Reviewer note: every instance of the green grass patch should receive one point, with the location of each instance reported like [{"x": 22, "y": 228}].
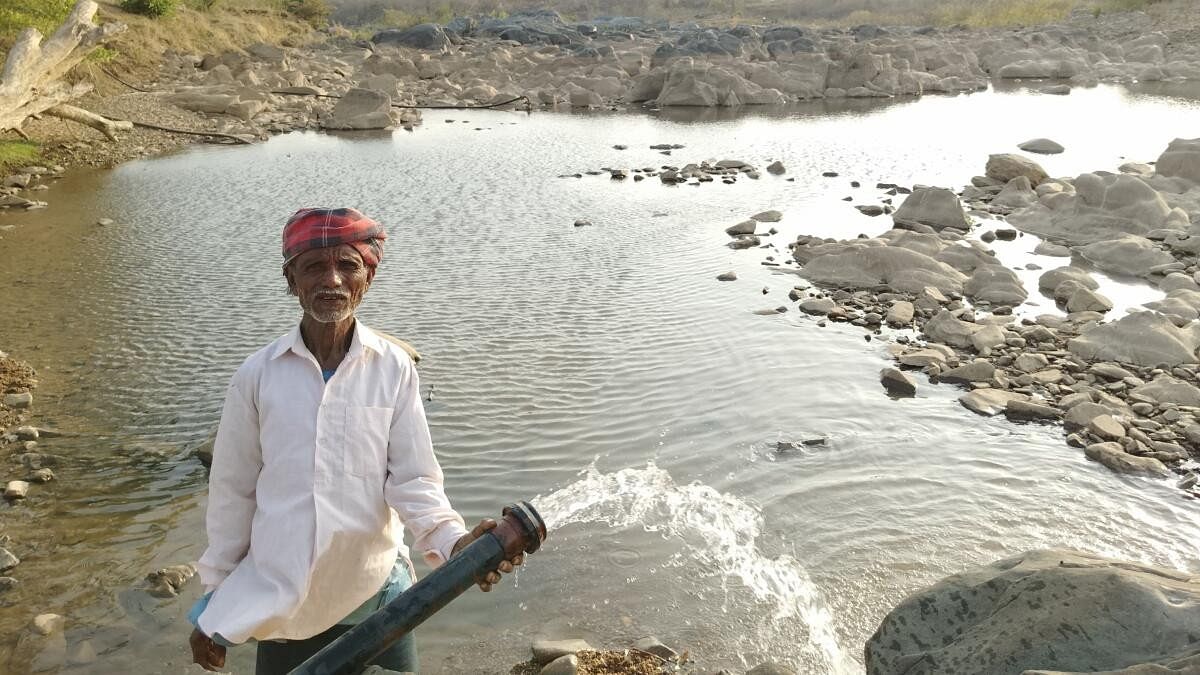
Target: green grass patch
[
  {"x": 17, "y": 15},
  {"x": 15, "y": 154}
]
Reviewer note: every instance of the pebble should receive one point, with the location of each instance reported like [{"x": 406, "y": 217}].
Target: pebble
[
  {"x": 727, "y": 276},
  {"x": 16, "y": 489},
  {"x": 19, "y": 401},
  {"x": 582, "y": 223},
  {"x": 8, "y": 560},
  {"x": 545, "y": 651},
  {"x": 41, "y": 476},
  {"x": 105, "y": 222}
]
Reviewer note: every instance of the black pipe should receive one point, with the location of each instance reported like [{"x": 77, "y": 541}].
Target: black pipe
[{"x": 521, "y": 530}]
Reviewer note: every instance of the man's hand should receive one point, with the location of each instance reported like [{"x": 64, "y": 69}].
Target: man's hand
[
  {"x": 505, "y": 566},
  {"x": 209, "y": 654}
]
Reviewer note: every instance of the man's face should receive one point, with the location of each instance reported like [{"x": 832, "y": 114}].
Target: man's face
[{"x": 330, "y": 282}]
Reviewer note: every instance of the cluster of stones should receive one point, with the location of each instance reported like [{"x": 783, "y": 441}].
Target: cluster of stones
[
  {"x": 726, "y": 171},
  {"x": 568, "y": 657},
  {"x": 17, "y": 189},
  {"x": 1126, "y": 391},
  {"x": 20, "y": 441}
]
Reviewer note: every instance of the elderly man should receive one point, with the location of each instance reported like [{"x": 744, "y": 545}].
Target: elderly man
[{"x": 321, "y": 455}]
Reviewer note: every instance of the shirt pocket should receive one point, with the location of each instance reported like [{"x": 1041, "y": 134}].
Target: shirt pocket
[{"x": 365, "y": 446}]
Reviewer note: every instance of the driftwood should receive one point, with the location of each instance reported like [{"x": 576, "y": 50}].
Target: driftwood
[
  {"x": 32, "y": 80},
  {"x": 102, "y": 124}
]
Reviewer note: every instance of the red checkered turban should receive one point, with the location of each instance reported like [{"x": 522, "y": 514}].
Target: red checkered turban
[{"x": 321, "y": 228}]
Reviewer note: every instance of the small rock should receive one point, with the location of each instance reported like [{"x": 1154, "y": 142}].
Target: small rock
[
  {"x": 19, "y": 401},
  {"x": 1188, "y": 482},
  {"x": 897, "y": 383},
  {"x": 900, "y": 313},
  {"x": 49, "y": 624},
  {"x": 582, "y": 223},
  {"x": 768, "y": 217},
  {"x": 819, "y": 306},
  {"x": 563, "y": 665},
  {"x": 652, "y": 645},
  {"x": 829, "y": 174},
  {"x": 776, "y": 168},
  {"x": 1041, "y": 146},
  {"x": 727, "y": 276},
  {"x": 167, "y": 582},
  {"x": 545, "y": 651},
  {"x": 8, "y": 583},
  {"x": 42, "y": 475},
  {"x": 1030, "y": 363},
  {"x": 1028, "y": 410},
  {"x": 1107, "y": 428},
  {"x": 1006, "y": 234},
  {"x": 988, "y": 402},
  {"x": 16, "y": 489},
  {"x": 744, "y": 243},
  {"x": 27, "y": 433},
  {"x": 976, "y": 371},
  {"x": 1114, "y": 457},
  {"x": 8, "y": 560},
  {"x": 620, "y": 147},
  {"x": 104, "y": 222},
  {"x": 870, "y": 209},
  {"x": 742, "y": 228}
]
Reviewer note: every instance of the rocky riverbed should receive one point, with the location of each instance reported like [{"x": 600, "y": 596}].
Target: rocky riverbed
[{"x": 1123, "y": 388}]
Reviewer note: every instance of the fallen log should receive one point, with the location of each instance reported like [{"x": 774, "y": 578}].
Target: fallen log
[
  {"x": 100, "y": 123},
  {"x": 32, "y": 80}
]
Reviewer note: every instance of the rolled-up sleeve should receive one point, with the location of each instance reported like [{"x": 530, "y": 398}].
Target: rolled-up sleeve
[
  {"x": 232, "y": 481},
  {"x": 414, "y": 483}
]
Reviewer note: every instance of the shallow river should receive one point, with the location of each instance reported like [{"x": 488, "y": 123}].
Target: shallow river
[{"x": 600, "y": 371}]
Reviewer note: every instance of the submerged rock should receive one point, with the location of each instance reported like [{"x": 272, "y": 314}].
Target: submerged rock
[{"x": 1053, "y": 610}]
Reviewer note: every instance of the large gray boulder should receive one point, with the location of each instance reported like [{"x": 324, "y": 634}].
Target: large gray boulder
[
  {"x": 996, "y": 284},
  {"x": 361, "y": 109},
  {"x": 938, "y": 208},
  {"x": 1130, "y": 255},
  {"x": 866, "y": 266},
  {"x": 428, "y": 36},
  {"x": 1180, "y": 160},
  {"x": 1142, "y": 338},
  {"x": 1007, "y": 166},
  {"x": 1167, "y": 389},
  {"x": 1103, "y": 206},
  {"x": 1052, "y": 610}
]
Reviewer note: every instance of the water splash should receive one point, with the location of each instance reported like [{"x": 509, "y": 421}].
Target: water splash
[{"x": 718, "y": 530}]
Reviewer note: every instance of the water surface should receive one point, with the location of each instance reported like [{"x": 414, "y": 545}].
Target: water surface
[{"x": 601, "y": 371}]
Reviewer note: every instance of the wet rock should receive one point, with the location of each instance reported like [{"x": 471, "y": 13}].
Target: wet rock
[
  {"x": 997, "y": 285},
  {"x": 583, "y": 223},
  {"x": 1180, "y": 160},
  {"x": 361, "y": 109},
  {"x": 745, "y": 242},
  {"x": 1130, "y": 255},
  {"x": 1056, "y": 250},
  {"x": 1141, "y": 338},
  {"x": 1167, "y": 389},
  {"x": 1017, "y": 194},
  {"x": 897, "y": 383},
  {"x": 1031, "y": 362},
  {"x": 168, "y": 581},
  {"x": 1051, "y": 280},
  {"x": 938, "y": 208},
  {"x": 975, "y": 371},
  {"x": 1106, "y": 428},
  {"x": 1041, "y": 146},
  {"x": 900, "y": 313},
  {"x": 545, "y": 651},
  {"x": 26, "y": 433},
  {"x": 1021, "y": 410},
  {"x": 42, "y": 646},
  {"x": 870, "y": 209},
  {"x": 8, "y": 583},
  {"x": 947, "y": 329},
  {"x": 41, "y": 476},
  {"x": 989, "y": 402},
  {"x": 867, "y": 264},
  {"x": 1079, "y": 416},
  {"x": 563, "y": 665},
  {"x": 776, "y": 168},
  {"x": 1086, "y": 300},
  {"x": 16, "y": 489},
  {"x": 1101, "y": 207},
  {"x": 8, "y": 560},
  {"x": 818, "y": 306},
  {"x": 768, "y": 217},
  {"x": 742, "y": 228},
  {"x": 19, "y": 401},
  {"x": 1113, "y": 456},
  {"x": 1052, "y": 610},
  {"x": 920, "y": 358},
  {"x": 727, "y": 276},
  {"x": 82, "y": 654},
  {"x": 652, "y": 645},
  {"x": 1005, "y": 167}
]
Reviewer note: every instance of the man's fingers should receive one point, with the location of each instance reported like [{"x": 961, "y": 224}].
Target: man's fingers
[
  {"x": 492, "y": 578},
  {"x": 483, "y": 526},
  {"x": 505, "y": 566},
  {"x": 485, "y": 586},
  {"x": 518, "y": 559}
]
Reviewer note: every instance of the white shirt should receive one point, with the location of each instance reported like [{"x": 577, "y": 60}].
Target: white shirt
[{"x": 307, "y": 480}]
